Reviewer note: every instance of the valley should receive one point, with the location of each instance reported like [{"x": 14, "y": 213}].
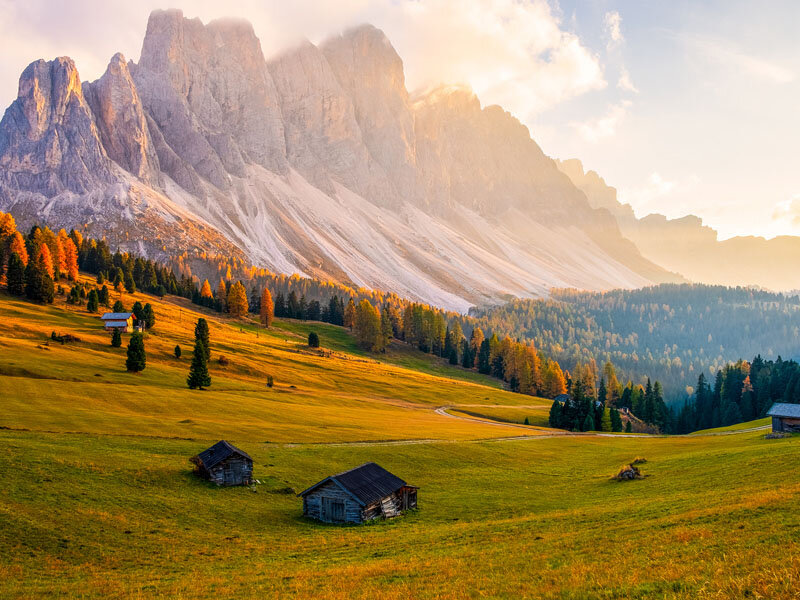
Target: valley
[{"x": 98, "y": 487}]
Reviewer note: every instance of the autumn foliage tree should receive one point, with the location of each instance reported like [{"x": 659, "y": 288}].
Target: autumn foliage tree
[
  {"x": 70, "y": 259},
  {"x": 267, "y": 311},
  {"x": 367, "y": 327},
  {"x": 237, "y": 300}
]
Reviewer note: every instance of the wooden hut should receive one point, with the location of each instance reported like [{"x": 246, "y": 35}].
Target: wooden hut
[
  {"x": 361, "y": 494},
  {"x": 120, "y": 321},
  {"x": 785, "y": 417},
  {"x": 224, "y": 464}
]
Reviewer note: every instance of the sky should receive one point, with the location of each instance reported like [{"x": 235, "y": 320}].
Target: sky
[{"x": 686, "y": 107}]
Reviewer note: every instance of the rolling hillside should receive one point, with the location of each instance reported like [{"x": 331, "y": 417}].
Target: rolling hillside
[{"x": 98, "y": 500}]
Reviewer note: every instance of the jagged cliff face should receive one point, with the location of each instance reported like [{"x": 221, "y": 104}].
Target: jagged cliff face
[
  {"x": 316, "y": 162},
  {"x": 688, "y": 247}
]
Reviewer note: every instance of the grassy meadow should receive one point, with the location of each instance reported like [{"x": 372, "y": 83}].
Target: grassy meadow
[{"x": 98, "y": 499}]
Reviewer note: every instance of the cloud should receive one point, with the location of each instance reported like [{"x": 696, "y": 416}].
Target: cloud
[
  {"x": 512, "y": 53},
  {"x": 788, "y": 210},
  {"x": 624, "y": 83},
  {"x": 613, "y": 22},
  {"x": 728, "y": 56},
  {"x": 594, "y": 130}
]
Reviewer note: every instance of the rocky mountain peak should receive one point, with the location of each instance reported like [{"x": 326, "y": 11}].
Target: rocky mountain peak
[{"x": 121, "y": 122}]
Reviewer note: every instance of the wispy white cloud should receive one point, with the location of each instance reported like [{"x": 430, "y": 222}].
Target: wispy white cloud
[
  {"x": 594, "y": 130},
  {"x": 788, "y": 210},
  {"x": 613, "y": 24},
  {"x": 624, "y": 82},
  {"x": 726, "y": 55}
]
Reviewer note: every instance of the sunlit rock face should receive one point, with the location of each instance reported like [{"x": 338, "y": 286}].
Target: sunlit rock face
[
  {"x": 121, "y": 122},
  {"x": 316, "y": 162},
  {"x": 48, "y": 140}
]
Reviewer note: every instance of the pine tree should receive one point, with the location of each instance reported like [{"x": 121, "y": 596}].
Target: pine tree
[
  {"x": 177, "y": 351},
  {"x": 616, "y": 420},
  {"x": 93, "y": 301},
  {"x": 201, "y": 333},
  {"x": 102, "y": 296},
  {"x": 149, "y": 316},
  {"x": 39, "y": 286},
  {"x": 119, "y": 307},
  {"x": 267, "y": 310},
  {"x": 18, "y": 246},
  {"x": 138, "y": 312},
  {"x": 116, "y": 339},
  {"x": 386, "y": 327},
  {"x": 198, "y": 372},
  {"x": 484, "y": 358},
  {"x": 467, "y": 359},
  {"x": 588, "y": 423},
  {"x": 136, "y": 360},
  {"x": 628, "y": 427},
  {"x": 605, "y": 421},
  {"x": 555, "y": 415},
  {"x": 313, "y": 340},
  {"x": 15, "y": 275}
]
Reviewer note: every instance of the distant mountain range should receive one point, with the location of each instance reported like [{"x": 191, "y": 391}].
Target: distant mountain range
[
  {"x": 688, "y": 247},
  {"x": 316, "y": 161}
]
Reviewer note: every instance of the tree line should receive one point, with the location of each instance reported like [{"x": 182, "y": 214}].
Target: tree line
[{"x": 740, "y": 392}]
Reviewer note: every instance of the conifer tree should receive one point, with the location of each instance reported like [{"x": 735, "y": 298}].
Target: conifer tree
[
  {"x": 119, "y": 307},
  {"x": 138, "y": 311},
  {"x": 93, "y": 301},
  {"x": 39, "y": 286},
  {"x": 70, "y": 259},
  {"x": 267, "y": 311},
  {"x": 616, "y": 420},
  {"x": 201, "y": 333},
  {"x": 605, "y": 421},
  {"x": 350, "y": 314},
  {"x": 198, "y": 372},
  {"x": 222, "y": 296},
  {"x": 15, "y": 275},
  {"x": 177, "y": 351},
  {"x": 136, "y": 360},
  {"x": 149, "y": 316},
  {"x": 116, "y": 339},
  {"x": 484, "y": 358},
  {"x": 386, "y": 327},
  {"x": 237, "y": 300},
  {"x": 555, "y": 415},
  {"x": 313, "y": 340},
  {"x": 367, "y": 327},
  {"x": 103, "y": 296},
  {"x": 628, "y": 428},
  {"x": 588, "y": 422}
]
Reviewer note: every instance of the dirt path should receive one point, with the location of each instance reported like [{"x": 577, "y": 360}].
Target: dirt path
[{"x": 537, "y": 433}]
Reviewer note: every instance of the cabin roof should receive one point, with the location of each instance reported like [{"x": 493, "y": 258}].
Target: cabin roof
[
  {"x": 219, "y": 452},
  {"x": 561, "y": 398},
  {"x": 367, "y": 483},
  {"x": 116, "y": 316},
  {"x": 116, "y": 323},
  {"x": 781, "y": 409}
]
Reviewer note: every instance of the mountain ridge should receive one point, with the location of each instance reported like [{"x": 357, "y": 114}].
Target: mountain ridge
[{"x": 316, "y": 161}]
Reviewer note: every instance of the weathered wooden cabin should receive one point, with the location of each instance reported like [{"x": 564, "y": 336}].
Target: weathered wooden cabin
[
  {"x": 121, "y": 321},
  {"x": 785, "y": 417},
  {"x": 361, "y": 494},
  {"x": 224, "y": 464}
]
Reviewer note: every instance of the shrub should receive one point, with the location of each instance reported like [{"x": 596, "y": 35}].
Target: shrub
[
  {"x": 223, "y": 361},
  {"x": 270, "y": 381},
  {"x": 313, "y": 340},
  {"x": 177, "y": 351}
]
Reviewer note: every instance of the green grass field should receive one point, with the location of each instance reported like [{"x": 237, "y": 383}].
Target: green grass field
[{"x": 98, "y": 499}]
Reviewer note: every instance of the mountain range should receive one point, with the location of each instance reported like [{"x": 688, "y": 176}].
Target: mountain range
[
  {"x": 318, "y": 161},
  {"x": 686, "y": 246}
]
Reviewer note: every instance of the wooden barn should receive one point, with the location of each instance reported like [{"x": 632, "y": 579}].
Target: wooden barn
[
  {"x": 358, "y": 495},
  {"x": 224, "y": 464},
  {"x": 121, "y": 321},
  {"x": 785, "y": 417}
]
